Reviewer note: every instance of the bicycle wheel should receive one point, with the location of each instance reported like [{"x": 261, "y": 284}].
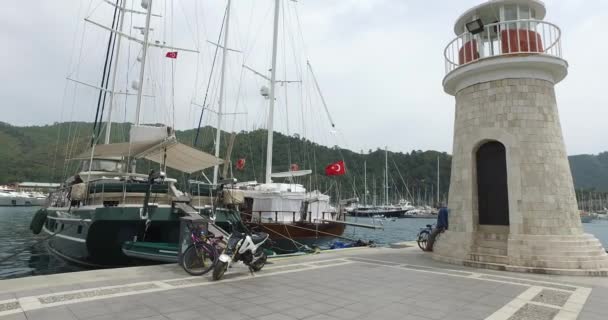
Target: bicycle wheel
[
  {"x": 423, "y": 238},
  {"x": 199, "y": 258}
]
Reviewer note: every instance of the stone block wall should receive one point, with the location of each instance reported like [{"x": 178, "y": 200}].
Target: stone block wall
[{"x": 521, "y": 114}]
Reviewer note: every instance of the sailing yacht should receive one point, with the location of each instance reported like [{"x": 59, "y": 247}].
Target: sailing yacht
[
  {"x": 387, "y": 210},
  {"x": 292, "y": 215},
  {"x": 107, "y": 204}
]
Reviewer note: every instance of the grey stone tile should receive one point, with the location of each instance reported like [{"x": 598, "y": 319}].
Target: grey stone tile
[
  {"x": 89, "y": 309},
  {"x": 14, "y": 316},
  {"x": 588, "y": 316},
  {"x": 276, "y": 316},
  {"x": 534, "y": 312},
  {"x": 108, "y": 316},
  {"x": 301, "y": 312},
  {"x": 184, "y": 315},
  {"x": 55, "y": 313},
  {"x": 30, "y": 293},
  {"x": 322, "y": 317},
  {"x": 343, "y": 313},
  {"x": 256, "y": 311},
  {"x": 138, "y": 313},
  {"x": 7, "y": 296},
  {"x": 552, "y": 297}
]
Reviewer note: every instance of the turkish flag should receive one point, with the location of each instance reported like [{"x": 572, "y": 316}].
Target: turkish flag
[
  {"x": 335, "y": 169},
  {"x": 294, "y": 167},
  {"x": 240, "y": 164},
  {"x": 171, "y": 54}
]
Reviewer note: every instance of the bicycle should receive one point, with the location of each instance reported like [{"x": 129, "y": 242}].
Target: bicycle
[
  {"x": 423, "y": 236},
  {"x": 202, "y": 255}
]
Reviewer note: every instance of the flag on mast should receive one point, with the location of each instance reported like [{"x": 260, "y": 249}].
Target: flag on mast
[
  {"x": 240, "y": 164},
  {"x": 335, "y": 169},
  {"x": 171, "y": 54}
]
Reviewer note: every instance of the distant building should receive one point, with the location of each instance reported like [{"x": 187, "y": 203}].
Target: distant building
[{"x": 37, "y": 186}]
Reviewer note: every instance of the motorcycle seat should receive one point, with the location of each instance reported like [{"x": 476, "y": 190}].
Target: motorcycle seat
[{"x": 258, "y": 237}]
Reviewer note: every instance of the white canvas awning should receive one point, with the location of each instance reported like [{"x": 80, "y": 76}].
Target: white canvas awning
[
  {"x": 184, "y": 158},
  {"x": 289, "y": 174},
  {"x": 179, "y": 156}
]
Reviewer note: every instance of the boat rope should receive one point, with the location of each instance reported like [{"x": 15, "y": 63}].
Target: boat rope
[
  {"x": 200, "y": 119},
  {"x": 105, "y": 76},
  {"x": 27, "y": 246},
  {"x": 402, "y": 180}
]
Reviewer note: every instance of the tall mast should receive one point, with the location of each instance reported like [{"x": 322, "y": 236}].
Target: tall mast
[
  {"x": 386, "y": 176},
  {"x": 365, "y": 183},
  {"x": 273, "y": 72},
  {"x": 437, "y": 180},
  {"x": 218, "y": 132},
  {"x": 142, "y": 69},
  {"x": 111, "y": 106}
]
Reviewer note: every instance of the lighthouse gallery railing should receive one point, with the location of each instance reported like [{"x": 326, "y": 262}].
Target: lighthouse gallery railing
[{"x": 516, "y": 37}]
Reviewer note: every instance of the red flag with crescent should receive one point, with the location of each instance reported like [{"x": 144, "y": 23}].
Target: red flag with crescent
[
  {"x": 335, "y": 169},
  {"x": 171, "y": 54},
  {"x": 240, "y": 164}
]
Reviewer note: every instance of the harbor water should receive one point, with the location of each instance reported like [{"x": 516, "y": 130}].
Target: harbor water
[{"x": 24, "y": 254}]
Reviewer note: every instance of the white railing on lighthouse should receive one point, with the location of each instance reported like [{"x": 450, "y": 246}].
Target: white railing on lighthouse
[{"x": 516, "y": 37}]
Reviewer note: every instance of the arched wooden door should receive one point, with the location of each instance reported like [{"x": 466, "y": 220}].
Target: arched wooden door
[{"x": 492, "y": 189}]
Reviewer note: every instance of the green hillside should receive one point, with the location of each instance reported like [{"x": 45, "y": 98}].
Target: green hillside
[
  {"x": 37, "y": 153},
  {"x": 590, "y": 171}
]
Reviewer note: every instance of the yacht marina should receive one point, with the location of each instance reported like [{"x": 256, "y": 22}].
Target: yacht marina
[{"x": 201, "y": 163}]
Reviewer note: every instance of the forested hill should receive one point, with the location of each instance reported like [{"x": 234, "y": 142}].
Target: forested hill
[{"x": 37, "y": 153}]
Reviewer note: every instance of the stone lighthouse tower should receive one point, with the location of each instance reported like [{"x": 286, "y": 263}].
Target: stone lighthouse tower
[{"x": 512, "y": 201}]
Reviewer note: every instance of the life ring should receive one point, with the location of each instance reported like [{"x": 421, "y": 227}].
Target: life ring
[{"x": 38, "y": 221}]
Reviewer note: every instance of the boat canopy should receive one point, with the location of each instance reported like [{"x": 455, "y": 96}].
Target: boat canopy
[
  {"x": 290, "y": 174},
  {"x": 178, "y": 155}
]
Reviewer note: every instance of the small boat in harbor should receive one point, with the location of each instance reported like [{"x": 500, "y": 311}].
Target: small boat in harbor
[{"x": 11, "y": 197}]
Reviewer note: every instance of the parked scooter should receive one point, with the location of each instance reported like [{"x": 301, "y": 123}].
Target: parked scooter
[{"x": 244, "y": 247}]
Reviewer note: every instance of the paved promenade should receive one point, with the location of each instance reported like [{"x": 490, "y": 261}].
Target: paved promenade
[{"x": 369, "y": 283}]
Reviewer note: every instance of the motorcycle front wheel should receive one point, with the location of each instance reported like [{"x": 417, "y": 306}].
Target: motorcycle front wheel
[
  {"x": 260, "y": 261},
  {"x": 219, "y": 269}
]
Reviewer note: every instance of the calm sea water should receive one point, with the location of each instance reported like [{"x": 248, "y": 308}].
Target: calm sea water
[{"x": 34, "y": 259}]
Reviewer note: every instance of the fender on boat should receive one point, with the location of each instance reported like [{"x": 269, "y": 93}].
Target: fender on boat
[{"x": 38, "y": 221}]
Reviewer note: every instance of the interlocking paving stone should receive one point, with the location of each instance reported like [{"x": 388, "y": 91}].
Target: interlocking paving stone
[
  {"x": 9, "y": 306},
  {"x": 326, "y": 263},
  {"x": 534, "y": 312},
  {"x": 95, "y": 293},
  {"x": 14, "y": 316},
  {"x": 450, "y": 272},
  {"x": 530, "y": 282},
  {"x": 383, "y": 263},
  {"x": 553, "y": 297}
]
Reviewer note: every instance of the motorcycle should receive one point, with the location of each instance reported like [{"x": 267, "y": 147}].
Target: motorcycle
[{"x": 245, "y": 247}]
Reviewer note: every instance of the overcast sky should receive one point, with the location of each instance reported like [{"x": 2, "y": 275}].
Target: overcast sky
[{"x": 379, "y": 64}]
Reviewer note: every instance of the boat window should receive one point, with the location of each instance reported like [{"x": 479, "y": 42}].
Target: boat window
[
  {"x": 102, "y": 165},
  {"x": 79, "y": 231}
]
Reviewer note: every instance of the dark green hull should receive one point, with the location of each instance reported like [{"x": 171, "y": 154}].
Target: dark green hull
[{"x": 94, "y": 236}]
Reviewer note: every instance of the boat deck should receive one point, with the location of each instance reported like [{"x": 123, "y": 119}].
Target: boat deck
[{"x": 361, "y": 283}]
